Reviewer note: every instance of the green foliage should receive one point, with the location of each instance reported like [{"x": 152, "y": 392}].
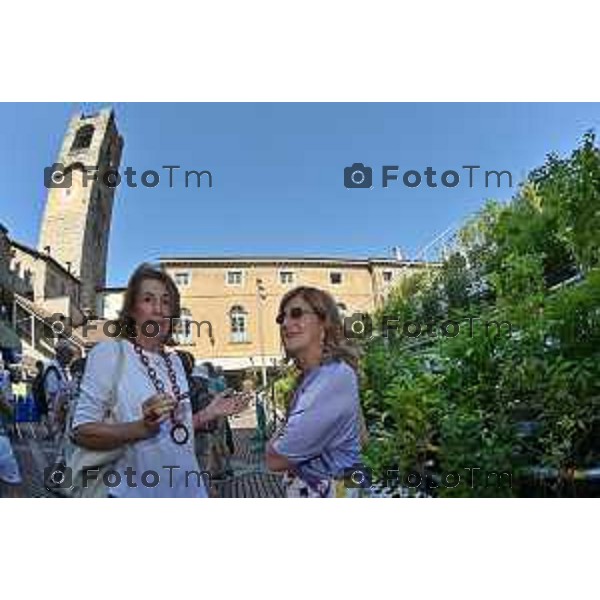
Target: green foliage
[
  {"x": 571, "y": 190},
  {"x": 284, "y": 387},
  {"x": 490, "y": 399}
]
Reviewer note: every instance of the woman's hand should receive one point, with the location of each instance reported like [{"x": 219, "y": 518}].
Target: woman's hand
[
  {"x": 155, "y": 410},
  {"x": 225, "y": 405}
]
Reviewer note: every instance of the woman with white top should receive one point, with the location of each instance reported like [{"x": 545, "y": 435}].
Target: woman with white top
[{"x": 152, "y": 416}]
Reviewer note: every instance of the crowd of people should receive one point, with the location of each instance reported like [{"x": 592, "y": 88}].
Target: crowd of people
[
  {"x": 135, "y": 405},
  {"x": 9, "y": 467}
]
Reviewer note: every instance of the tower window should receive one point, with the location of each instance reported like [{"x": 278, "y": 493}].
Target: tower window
[
  {"x": 83, "y": 138},
  {"x": 387, "y": 276}
]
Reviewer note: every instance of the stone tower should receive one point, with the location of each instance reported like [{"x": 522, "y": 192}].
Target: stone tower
[{"x": 77, "y": 217}]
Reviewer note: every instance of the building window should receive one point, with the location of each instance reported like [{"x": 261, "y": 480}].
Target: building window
[
  {"x": 182, "y": 278},
  {"x": 387, "y": 276},
  {"x": 234, "y": 277},
  {"x": 286, "y": 277},
  {"x": 83, "y": 138},
  {"x": 183, "y": 328},
  {"x": 238, "y": 319},
  {"x": 335, "y": 278}
]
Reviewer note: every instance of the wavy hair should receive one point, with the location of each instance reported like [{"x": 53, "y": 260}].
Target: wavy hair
[
  {"x": 143, "y": 272},
  {"x": 335, "y": 345}
]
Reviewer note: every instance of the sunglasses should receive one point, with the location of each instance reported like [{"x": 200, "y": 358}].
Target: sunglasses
[{"x": 294, "y": 313}]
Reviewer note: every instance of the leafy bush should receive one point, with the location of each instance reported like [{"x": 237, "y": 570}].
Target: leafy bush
[{"x": 490, "y": 399}]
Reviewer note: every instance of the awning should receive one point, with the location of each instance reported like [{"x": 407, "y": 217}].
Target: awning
[
  {"x": 228, "y": 363},
  {"x": 9, "y": 338}
]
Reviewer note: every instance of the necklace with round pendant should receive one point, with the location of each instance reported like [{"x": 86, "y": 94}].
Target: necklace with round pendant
[{"x": 180, "y": 434}]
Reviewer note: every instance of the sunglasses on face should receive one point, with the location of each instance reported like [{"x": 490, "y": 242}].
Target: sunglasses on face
[{"x": 294, "y": 313}]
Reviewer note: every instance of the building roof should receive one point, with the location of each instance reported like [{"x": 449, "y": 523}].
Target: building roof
[
  {"x": 291, "y": 260},
  {"x": 46, "y": 257}
]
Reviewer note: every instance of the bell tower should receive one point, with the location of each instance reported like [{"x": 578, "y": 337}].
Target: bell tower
[{"x": 81, "y": 187}]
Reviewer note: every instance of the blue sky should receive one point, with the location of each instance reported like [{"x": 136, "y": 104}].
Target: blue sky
[{"x": 278, "y": 172}]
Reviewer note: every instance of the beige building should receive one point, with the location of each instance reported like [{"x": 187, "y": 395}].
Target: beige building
[
  {"x": 10, "y": 280},
  {"x": 51, "y": 285},
  {"x": 34, "y": 288},
  {"x": 229, "y": 305}
]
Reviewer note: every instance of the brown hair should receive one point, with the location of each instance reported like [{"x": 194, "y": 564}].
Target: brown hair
[
  {"x": 143, "y": 272},
  {"x": 188, "y": 361},
  {"x": 335, "y": 346}
]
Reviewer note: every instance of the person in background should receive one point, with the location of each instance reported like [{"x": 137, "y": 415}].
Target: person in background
[
  {"x": 19, "y": 386},
  {"x": 39, "y": 394},
  {"x": 58, "y": 387},
  {"x": 9, "y": 468},
  {"x": 220, "y": 380},
  {"x": 6, "y": 396},
  {"x": 219, "y": 453},
  {"x": 5, "y": 386},
  {"x": 68, "y": 406},
  {"x": 320, "y": 440},
  {"x": 77, "y": 370},
  {"x": 227, "y": 432},
  {"x": 201, "y": 397}
]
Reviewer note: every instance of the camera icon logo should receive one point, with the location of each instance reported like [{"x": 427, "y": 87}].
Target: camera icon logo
[
  {"x": 56, "y": 177},
  {"x": 60, "y": 325},
  {"x": 358, "y": 176},
  {"x": 58, "y": 477},
  {"x": 358, "y": 476},
  {"x": 358, "y": 326}
]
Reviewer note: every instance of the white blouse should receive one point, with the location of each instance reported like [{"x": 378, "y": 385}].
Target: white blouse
[{"x": 155, "y": 467}]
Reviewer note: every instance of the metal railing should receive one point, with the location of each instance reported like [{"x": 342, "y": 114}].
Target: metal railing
[{"x": 32, "y": 327}]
